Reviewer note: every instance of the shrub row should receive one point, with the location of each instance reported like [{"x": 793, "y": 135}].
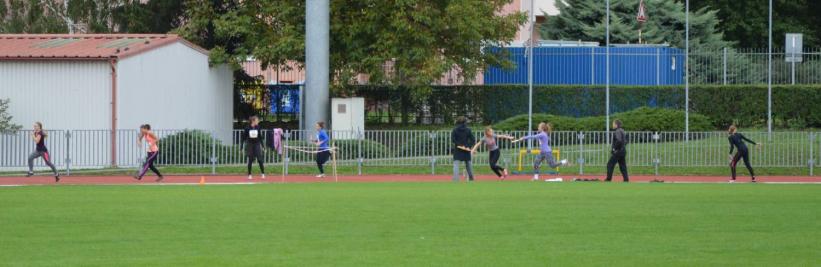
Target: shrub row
[
  {"x": 794, "y": 106},
  {"x": 640, "y": 119}
]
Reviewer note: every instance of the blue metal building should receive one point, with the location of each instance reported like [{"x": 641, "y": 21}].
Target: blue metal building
[{"x": 629, "y": 65}]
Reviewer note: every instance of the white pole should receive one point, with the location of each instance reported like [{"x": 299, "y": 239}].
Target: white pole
[
  {"x": 317, "y": 56},
  {"x": 530, "y": 77},
  {"x": 687, "y": 71},
  {"x": 770, "y": 75},
  {"x": 607, "y": 75}
]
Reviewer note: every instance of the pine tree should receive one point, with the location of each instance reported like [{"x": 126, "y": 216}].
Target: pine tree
[{"x": 585, "y": 20}]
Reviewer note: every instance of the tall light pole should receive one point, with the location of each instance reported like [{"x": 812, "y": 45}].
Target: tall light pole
[
  {"x": 607, "y": 72},
  {"x": 530, "y": 75},
  {"x": 317, "y": 58},
  {"x": 770, "y": 74},
  {"x": 687, "y": 71}
]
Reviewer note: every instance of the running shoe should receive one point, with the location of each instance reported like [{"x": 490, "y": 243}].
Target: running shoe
[
  {"x": 159, "y": 179},
  {"x": 321, "y": 175},
  {"x": 57, "y": 178},
  {"x": 29, "y": 174}
]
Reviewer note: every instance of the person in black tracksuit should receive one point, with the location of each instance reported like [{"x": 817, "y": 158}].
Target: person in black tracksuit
[
  {"x": 618, "y": 152},
  {"x": 462, "y": 138},
  {"x": 737, "y": 141},
  {"x": 252, "y": 140}
]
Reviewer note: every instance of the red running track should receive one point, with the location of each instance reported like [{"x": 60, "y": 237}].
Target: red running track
[{"x": 235, "y": 179}]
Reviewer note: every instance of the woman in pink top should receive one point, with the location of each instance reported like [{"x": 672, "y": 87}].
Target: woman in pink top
[{"x": 153, "y": 151}]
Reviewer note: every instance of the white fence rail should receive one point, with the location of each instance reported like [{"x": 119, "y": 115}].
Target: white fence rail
[{"x": 74, "y": 149}]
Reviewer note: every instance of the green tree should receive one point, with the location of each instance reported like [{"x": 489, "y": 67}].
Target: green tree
[
  {"x": 423, "y": 38},
  {"x": 585, "y": 20},
  {"x": 746, "y": 22},
  {"x": 30, "y": 16},
  {"x": 157, "y": 16},
  {"x": 5, "y": 118}
]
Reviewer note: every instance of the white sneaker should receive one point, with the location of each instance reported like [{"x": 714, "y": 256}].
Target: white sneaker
[
  {"x": 321, "y": 175},
  {"x": 563, "y": 162},
  {"x": 731, "y": 181},
  {"x": 263, "y": 176},
  {"x": 535, "y": 177},
  {"x": 250, "y": 177}
]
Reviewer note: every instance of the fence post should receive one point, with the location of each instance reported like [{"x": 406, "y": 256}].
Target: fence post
[
  {"x": 213, "y": 153},
  {"x": 432, "y": 153},
  {"x": 68, "y": 155},
  {"x": 592, "y": 66},
  {"x": 581, "y": 152},
  {"x": 792, "y": 72},
  {"x": 656, "y": 160},
  {"x": 658, "y": 66},
  {"x": 725, "y": 67},
  {"x": 286, "y": 156},
  {"x": 359, "y": 148},
  {"x": 812, "y": 157}
]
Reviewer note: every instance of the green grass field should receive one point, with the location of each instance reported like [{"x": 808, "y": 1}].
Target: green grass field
[{"x": 412, "y": 224}]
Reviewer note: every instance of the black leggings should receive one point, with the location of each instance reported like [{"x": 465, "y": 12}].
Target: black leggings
[
  {"x": 494, "y": 160},
  {"x": 255, "y": 152},
  {"x": 149, "y": 164},
  {"x": 741, "y": 155},
  {"x": 321, "y": 158},
  {"x": 611, "y": 164}
]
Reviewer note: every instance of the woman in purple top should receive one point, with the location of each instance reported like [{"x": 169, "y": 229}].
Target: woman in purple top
[
  {"x": 545, "y": 152},
  {"x": 490, "y": 141}
]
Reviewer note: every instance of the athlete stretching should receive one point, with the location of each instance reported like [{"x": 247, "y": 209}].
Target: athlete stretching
[{"x": 737, "y": 141}]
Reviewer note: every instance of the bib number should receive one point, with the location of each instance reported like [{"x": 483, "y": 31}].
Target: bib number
[{"x": 253, "y": 133}]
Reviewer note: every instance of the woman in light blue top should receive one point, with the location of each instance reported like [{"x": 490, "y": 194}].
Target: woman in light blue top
[
  {"x": 324, "y": 152},
  {"x": 545, "y": 152}
]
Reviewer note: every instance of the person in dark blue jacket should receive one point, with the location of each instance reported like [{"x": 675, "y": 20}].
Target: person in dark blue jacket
[
  {"x": 324, "y": 152},
  {"x": 737, "y": 141},
  {"x": 463, "y": 139}
]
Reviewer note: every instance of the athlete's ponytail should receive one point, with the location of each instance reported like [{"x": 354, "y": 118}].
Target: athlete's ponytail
[{"x": 732, "y": 129}]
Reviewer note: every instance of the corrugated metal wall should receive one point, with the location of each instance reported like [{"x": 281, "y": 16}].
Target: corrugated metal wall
[
  {"x": 173, "y": 87},
  {"x": 586, "y": 65},
  {"x": 61, "y": 95}
]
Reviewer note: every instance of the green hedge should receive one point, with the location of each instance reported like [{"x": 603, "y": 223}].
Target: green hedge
[
  {"x": 794, "y": 106},
  {"x": 641, "y": 119},
  {"x": 187, "y": 147}
]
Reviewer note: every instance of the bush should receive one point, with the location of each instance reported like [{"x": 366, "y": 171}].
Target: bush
[
  {"x": 423, "y": 145},
  {"x": 640, "y": 119},
  {"x": 190, "y": 147},
  {"x": 794, "y": 106}
]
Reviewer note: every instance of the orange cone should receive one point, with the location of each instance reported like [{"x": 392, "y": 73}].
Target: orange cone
[{"x": 202, "y": 180}]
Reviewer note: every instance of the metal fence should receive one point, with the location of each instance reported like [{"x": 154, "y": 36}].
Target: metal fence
[
  {"x": 659, "y": 66},
  {"x": 75, "y": 149}
]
